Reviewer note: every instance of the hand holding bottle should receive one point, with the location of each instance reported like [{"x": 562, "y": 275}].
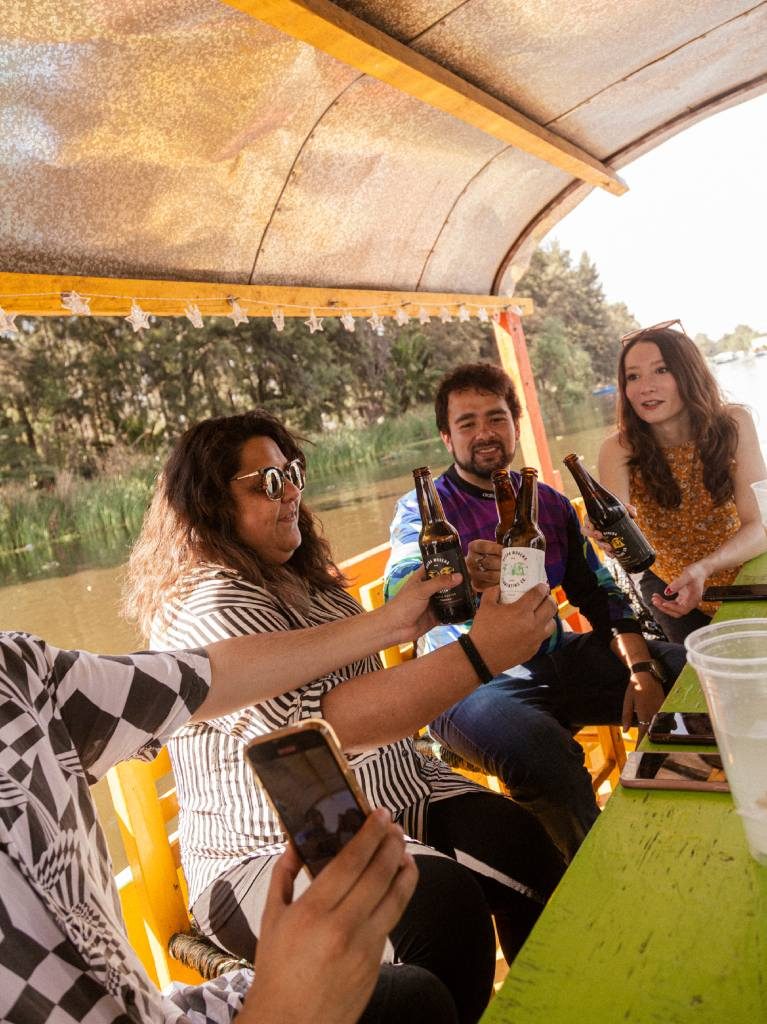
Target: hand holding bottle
[
  {"x": 510, "y": 634},
  {"x": 593, "y": 534},
  {"x": 483, "y": 560}
]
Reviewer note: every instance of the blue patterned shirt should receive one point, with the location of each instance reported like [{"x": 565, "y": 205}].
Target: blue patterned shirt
[{"x": 571, "y": 562}]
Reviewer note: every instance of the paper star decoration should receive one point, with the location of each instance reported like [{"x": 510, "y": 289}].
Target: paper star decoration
[
  {"x": 423, "y": 316},
  {"x": 482, "y": 315},
  {"x": 238, "y": 315},
  {"x": 314, "y": 323},
  {"x": 193, "y": 315},
  {"x": 76, "y": 304},
  {"x": 137, "y": 318},
  {"x": 376, "y": 322},
  {"x": 348, "y": 321},
  {"x": 7, "y": 325},
  {"x": 463, "y": 314},
  {"x": 444, "y": 315},
  {"x": 278, "y": 319},
  {"x": 402, "y": 316}
]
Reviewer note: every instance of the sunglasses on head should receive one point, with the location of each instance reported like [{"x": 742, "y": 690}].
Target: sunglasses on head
[
  {"x": 664, "y": 325},
  {"x": 273, "y": 479}
]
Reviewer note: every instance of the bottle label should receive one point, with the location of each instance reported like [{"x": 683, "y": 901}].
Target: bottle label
[
  {"x": 444, "y": 564},
  {"x": 521, "y": 569},
  {"x": 628, "y": 544}
]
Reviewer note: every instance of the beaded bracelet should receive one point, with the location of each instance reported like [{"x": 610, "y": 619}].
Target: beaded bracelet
[{"x": 476, "y": 659}]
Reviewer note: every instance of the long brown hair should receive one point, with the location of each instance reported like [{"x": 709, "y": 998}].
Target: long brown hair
[
  {"x": 191, "y": 521},
  {"x": 714, "y": 431}
]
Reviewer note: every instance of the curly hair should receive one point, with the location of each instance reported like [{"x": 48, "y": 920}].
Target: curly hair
[
  {"x": 191, "y": 521},
  {"x": 477, "y": 377},
  {"x": 714, "y": 430}
]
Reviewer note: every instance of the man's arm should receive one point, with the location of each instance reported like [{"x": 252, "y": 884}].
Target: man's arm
[{"x": 369, "y": 711}]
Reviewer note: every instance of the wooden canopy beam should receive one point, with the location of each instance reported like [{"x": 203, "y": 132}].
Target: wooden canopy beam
[
  {"x": 40, "y": 295},
  {"x": 328, "y": 28}
]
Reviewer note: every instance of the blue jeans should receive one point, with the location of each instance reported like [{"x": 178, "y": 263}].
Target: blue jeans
[{"x": 520, "y": 726}]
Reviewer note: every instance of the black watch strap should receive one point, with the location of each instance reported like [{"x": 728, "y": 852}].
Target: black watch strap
[{"x": 648, "y": 666}]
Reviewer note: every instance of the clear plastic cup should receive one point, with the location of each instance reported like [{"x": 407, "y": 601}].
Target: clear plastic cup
[
  {"x": 731, "y": 661},
  {"x": 760, "y": 490}
]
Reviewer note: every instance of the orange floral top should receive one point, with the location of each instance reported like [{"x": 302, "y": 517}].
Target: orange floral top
[{"x": 692, "y": 531}]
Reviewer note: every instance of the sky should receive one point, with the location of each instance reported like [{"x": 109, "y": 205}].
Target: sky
[{"x": 689, "y": 238}]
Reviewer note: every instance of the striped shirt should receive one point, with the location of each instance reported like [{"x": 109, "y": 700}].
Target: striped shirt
[
  {"x": 571, "y": 562},
  {"x": 224, "y": 817}
]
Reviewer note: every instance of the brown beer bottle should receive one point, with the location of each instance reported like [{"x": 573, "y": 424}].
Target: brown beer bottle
[
  {"x": 441, "y": 552},
  {"x": 505, "y": 501},
  {"x": 523, "y": 559},
  {"x": 611, "y": 517}
]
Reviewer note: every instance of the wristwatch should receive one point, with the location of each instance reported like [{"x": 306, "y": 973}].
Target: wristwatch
[{"x": 653, "y": 666}]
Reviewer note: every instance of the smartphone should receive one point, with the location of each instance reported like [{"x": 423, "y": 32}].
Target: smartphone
[
  {"x": 309, "y": 784},
  {"x": 682, "y": 770},
  {"x": 737, "y": 592},
  {"x": 681, "y": 727}
]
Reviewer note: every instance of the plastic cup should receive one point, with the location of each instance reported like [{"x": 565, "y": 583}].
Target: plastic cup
[
  {"x": 760, "y": 490},
  {"x": 731, "y": 661}
]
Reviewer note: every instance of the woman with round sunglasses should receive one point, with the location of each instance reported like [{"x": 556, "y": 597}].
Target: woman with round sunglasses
[
  {"x": 684, "y": 459},
  {"x": 229, "y": 548}
]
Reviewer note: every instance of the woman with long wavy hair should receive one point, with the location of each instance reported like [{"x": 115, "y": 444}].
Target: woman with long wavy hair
[
  {"x": 685, "y": 460},
  {"x": 228, "y": 548}
]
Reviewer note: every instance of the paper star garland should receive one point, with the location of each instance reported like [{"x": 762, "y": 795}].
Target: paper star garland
[
  {"x": 7, "y": 324},
  {"x": 348, "y": 321},
  {"x": 76, "y": 304},
  {"x": 482, "y": 315},
  {"x": 463, "y": 314},
  {"x": 238, "y": 314},
  {"x": 314, "y": 323},
  {"x": 402, "y": 316},
  {"x": 278, "y": 319},
  {"x": 423, "y": 316},
  {"x": 137, "y": 318},
  {"x": 444, "y": 315},
  {"x": 193, "y": 315},
  {"x": 376, "y": 322}
]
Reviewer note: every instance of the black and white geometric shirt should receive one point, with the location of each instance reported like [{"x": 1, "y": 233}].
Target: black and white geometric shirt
[
  {"x": 65, "y": 718},
  {"x": 224, "y": 817}
]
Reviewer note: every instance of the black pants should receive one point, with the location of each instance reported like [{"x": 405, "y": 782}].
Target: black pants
[
  {"x": 499, "y": 860},
  {"x": 675, "y": 629}
]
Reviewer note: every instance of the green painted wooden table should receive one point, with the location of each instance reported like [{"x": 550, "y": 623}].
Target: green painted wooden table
[{"x": 662, "y": 916}]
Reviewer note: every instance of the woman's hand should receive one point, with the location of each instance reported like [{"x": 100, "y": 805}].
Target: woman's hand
[
  {"x": 318, "y": 957},
  {"x": 483, "y": 560},
  {"x": 409, "y": 613},
  {"x": 644, "y": 696},
  {"x": 688, "y": 587},
  {"x": 589, "y": 530}
]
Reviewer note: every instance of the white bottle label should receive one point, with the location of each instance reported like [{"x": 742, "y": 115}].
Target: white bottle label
[{"x": 521, "y": 569}]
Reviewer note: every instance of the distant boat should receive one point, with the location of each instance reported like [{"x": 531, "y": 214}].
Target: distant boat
[{"x": 604, "y": 389}]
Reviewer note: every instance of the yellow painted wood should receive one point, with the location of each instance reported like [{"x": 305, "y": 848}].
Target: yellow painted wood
[
  {"x": 40, "y": 295},
  {"x": 335, "y": 31},
  {"x": 662, "y": 916}
]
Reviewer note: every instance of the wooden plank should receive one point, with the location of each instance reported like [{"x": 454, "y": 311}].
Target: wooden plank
[
  {"x": 40, "y": 295},
  {"x": 349, "y": 39}
]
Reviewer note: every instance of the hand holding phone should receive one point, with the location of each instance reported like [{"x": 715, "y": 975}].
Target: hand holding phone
[
  {"x": 309, "y": 784},
  {"x": 672, "y": 770},
  {"x": 681, "y": 727}
]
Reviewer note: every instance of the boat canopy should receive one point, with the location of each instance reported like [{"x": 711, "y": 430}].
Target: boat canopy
[{"x": 422, "y": 146}]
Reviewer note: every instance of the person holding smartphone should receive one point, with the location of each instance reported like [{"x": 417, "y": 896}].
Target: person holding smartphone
[
  {"x": 69, "y": 716},
  {"x": 228, "y": 548},
  {"x": 684, "y": 460}
]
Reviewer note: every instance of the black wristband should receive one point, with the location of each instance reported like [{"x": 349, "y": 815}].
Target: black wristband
[{"x": 477, "y": 662}]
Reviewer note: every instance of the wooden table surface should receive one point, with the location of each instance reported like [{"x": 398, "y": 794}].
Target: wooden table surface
[{"x": 662, "y": 916}]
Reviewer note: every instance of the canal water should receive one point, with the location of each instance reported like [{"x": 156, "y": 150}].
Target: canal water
[{"x": 80, "y": 607}]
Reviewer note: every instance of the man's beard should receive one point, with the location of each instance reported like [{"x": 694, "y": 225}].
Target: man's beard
[{"x": 489, "y": 465}]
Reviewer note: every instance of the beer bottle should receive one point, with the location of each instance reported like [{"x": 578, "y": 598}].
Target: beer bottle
[
  {"x": 505, "y": 501},
  {"x": 523, "y": 559},
  {"x": 441, "y": 552},
  {"x": 611, "y": 517}
]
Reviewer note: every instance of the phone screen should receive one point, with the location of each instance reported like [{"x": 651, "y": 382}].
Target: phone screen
[
  {"x": 318, "y": 809},
  {"x": 681, "y": 727},
  {"x": 737, "y": 592},
  {"x": 675, "y": 770}
]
